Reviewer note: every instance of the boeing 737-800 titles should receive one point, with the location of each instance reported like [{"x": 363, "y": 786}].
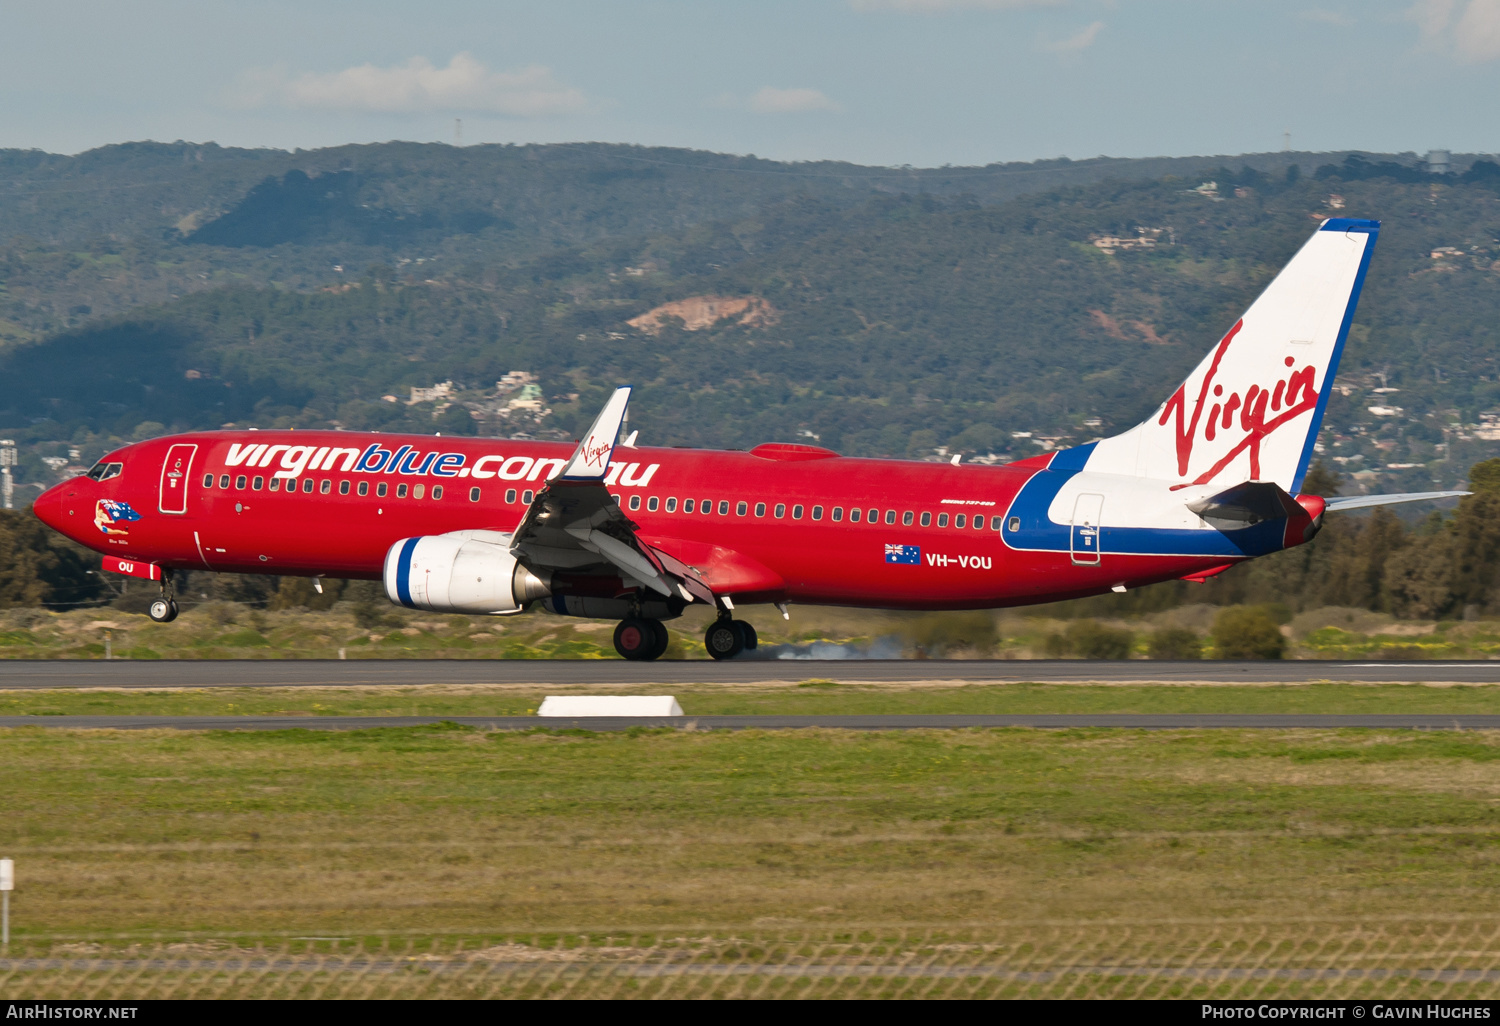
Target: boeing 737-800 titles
[{"x": 608, "y": 529}]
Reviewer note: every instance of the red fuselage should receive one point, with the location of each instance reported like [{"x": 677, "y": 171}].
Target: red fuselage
[{"x": 778, "y": 523}]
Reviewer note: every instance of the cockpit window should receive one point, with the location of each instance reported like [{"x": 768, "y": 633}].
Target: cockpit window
[{"x": 104, "y": 470}]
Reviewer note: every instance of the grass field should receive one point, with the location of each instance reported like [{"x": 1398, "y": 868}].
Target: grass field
[
  {"x": 808, "y": 697},
  {"x": 436, "y": 830}
]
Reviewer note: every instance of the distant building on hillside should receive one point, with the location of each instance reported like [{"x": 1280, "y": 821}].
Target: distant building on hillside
[
  {"x": 1438, "y": 162},
  {"x": 442, "y": 390}
]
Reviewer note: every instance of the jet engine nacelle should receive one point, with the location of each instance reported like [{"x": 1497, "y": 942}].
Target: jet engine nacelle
[{"x": 461, "y": 572}]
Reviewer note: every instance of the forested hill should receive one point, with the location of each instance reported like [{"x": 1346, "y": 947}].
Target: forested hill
[{"x": 995, "y": 311}]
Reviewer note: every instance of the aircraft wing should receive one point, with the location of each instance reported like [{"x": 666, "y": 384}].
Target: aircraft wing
[
  {"x": 574, "y": 523},
  {"x": 1338, "y": 502}
]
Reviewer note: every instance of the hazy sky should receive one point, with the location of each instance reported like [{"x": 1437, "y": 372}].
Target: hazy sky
[{"x": 923, "y": 82}]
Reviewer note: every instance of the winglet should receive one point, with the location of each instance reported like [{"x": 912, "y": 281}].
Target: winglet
[{"x": 590, "y": 461}]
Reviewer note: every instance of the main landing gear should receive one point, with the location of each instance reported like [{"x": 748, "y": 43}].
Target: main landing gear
[
  {"x": 644, "y": 638},
  {"x": 726, "y": 638},
  {"x": 164, "y": 609},
  {"x": 641, "y": 637}
]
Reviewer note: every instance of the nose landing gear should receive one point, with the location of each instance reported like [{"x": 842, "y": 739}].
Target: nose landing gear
[
  {"x": 641, "y": 638},
  {"x": 164, "y": 609}
]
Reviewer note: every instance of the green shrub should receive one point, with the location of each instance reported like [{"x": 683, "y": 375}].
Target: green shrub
[
  {"x": 937, "y": 633},
  {"x": 1093, "y": 640},
  {"x": 1247, "y": 632},
  {"x": 1175, "y": 643}
]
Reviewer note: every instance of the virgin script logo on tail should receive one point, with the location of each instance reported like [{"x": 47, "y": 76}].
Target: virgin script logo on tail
[{"x": 1287, "y": 400}]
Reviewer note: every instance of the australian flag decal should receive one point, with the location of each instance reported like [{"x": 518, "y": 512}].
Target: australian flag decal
[{"x": 908, "y": 554}]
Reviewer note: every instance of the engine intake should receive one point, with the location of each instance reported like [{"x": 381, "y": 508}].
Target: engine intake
[{"x": 461, "y": 572}]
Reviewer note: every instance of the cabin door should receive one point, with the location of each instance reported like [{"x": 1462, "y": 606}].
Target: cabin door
[
  {"x": 176, "y": 475},
  {"x": 1086, "y": 510}
]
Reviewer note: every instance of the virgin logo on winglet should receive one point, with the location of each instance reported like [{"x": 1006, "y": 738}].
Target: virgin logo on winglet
[
  {"x": 1287, "y": 400},
  {"x": 594, "y": 453}
]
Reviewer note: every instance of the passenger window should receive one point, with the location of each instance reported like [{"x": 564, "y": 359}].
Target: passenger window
[
  {"x": 510, "y": 495},
  {"x": 838, "y": 513},
  {"x": 239, "y": 482},
  {"x": 890, "y": 516},
  {"x": 364, "y": 488},
  {"x": 1015, "y": 523},
  {"x": 437, "y": 491},
  {"x": 343, "y": 487},
  {"x": 275, "y": 484},
  {"x": 906, "y": 519},
  {"x": 854, "y": 515},
  {"x": 687, "y": 505},
  {"x": 416, "y": 490},
  {"x": 526, "y": 497},
  {"x": 380, "y": 489},
  {"x": 326, "y": 487},
  {"x": 958, "y": 520},
  {"x": 942, "y": 520},
  {"x": 723, "y": 507},
  {"x": 760, "y": 509},
  {"x": 635, "y": 502},
  {"x": 780, "y": 509},
  {"x": 978, "y": 521},
  {"x": 401, "y": 490},
  {"x": 473, "y": 494},
  {"x": 671, "y": 505},
  {"x": 796, "y": 512},
  {"x": 208, "y": 480},
  {"x": 874, "y": 516},
  {"x": 740, "y": 509},
  {"x": 257, "y": 484},
  {"x": 224, "y": 481},
  {"x": 307, "y": 484},
  {"x": 926, "y": 519},
  {"x": 652, "y": 503}
]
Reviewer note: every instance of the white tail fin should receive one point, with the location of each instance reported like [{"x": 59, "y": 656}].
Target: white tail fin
[{"x": 1251, "y": 410}]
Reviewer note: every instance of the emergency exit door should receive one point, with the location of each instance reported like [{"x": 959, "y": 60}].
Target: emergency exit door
[
  {"x": 1086, "y": 511},
  {"x": 176, "y": 473}
]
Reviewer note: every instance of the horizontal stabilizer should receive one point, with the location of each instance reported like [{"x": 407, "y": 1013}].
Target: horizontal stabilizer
[
  {"x": 1244, "y": 505},
  {"x": 1339, "y": 502}
]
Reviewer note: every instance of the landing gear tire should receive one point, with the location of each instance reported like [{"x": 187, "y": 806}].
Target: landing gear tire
[
  {"x": 163, "y": 610},
  {"x": 663, "y": 639},
  {"x": 748, "y": 631},
  {"x": 725, "y": 639},
  {"x": 640, "y": 638}
]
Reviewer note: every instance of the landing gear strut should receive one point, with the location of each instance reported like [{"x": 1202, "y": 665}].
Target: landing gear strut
[
  {"x": 726, "y": 638},
  {"x": 164, "y": 609},
  {"x": 641, "y": 637}
]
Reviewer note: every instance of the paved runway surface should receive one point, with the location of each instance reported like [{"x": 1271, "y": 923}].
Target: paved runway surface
[
  {"x": 18, "y": 674},
  {"x": 1118, "y": 720}
]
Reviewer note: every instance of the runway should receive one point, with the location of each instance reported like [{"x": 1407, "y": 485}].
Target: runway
[
  {"x": 1122, "y": 721},
  {"x": 221, "y": 673}
]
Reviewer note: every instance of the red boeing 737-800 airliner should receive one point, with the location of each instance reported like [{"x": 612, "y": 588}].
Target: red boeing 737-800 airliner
[{"x": 606, "y": 529}]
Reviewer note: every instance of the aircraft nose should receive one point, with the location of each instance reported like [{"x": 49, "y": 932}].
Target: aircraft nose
[{"x": 50, "y": 506}]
